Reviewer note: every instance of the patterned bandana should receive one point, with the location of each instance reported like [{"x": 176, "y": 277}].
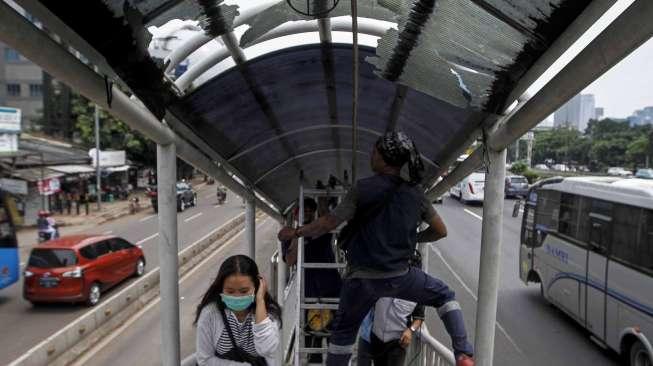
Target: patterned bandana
[{"x": 398, "y": 149}]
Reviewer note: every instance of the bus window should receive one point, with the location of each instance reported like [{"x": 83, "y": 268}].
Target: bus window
[
  {"x": 569, "y": 214},
  {"x": 633, "y": 238}
]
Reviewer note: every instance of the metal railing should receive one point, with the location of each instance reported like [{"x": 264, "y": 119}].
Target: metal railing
[{"x": 427, "y": 351}]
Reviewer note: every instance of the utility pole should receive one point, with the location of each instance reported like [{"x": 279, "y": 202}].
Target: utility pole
[{"x": 97, "y": 159}]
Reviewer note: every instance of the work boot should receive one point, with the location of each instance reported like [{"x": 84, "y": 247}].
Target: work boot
[{"x": 464, "y": 360}]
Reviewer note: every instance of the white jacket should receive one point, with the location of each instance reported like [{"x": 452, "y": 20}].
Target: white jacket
[{"x": 210, "y": 327}]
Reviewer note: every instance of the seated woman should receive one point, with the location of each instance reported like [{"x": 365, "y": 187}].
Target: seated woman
[{"x": 237, "y": 321}]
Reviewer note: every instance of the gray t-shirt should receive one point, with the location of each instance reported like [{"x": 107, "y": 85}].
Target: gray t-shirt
[{"x": 346, "y": 210}]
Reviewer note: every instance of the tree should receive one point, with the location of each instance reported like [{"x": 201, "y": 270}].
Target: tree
[
  {"x": 114, "y": 134},
  {"x": 637, "y": 150}
]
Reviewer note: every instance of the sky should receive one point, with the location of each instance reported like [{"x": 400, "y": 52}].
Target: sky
[{"x": 628, "y": 85}]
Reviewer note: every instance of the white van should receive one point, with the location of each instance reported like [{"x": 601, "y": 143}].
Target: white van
[{"x": 470, "y": 189}]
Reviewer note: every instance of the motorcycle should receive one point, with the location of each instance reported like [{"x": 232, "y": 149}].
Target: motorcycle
[
  {"x": 222, "y": 196},
  {"x": 45, "y": 235}
]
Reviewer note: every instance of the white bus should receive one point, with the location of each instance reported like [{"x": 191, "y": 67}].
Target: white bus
[{"x": 589, "y": 242}]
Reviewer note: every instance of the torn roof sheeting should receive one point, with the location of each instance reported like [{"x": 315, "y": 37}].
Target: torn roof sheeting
[
  {"x": 281, "y": 13},
  {"x": 467, "y": 52}
]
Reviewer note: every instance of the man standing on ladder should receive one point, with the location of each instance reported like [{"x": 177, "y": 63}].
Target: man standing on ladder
[{"x": 383, "y": 213}]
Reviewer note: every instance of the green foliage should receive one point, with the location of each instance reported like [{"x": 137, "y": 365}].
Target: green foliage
[
  {"x": 519, "y": 168},
  {"x": 605, "y": 143},
  {"x": 531, "y": 176},
  {"x": 114, "y": 134}
]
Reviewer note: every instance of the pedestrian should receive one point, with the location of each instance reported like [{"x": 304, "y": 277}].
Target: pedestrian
[
  {"x": 383, "y": 214},
  {"x": 237, "y": 320}
]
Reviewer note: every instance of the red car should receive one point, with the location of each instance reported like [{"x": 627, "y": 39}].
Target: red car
[{"x": 78, "y": 268}]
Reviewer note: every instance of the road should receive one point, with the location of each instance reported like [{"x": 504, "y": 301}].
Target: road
[
  {"x": 29, "y": 325},
  {"x": 530, "y": 331}
]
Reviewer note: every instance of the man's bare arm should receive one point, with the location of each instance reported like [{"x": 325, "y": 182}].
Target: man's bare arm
[
  {"x": 316, "y": 228},
  {"x": 436, "y": 230}
]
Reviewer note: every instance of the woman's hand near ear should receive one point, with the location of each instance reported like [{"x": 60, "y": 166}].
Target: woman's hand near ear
[{"x": 261, "y": 309}]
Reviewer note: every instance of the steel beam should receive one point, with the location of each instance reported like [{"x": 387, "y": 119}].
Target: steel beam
[
  {"x": 37, "y": 46},
  {"x": 250, "y": 227},
  {"x": 366, "y": 26},
  {"x": 200, "y": 39},
  {"x": 166, "y": 174},
  {"x": 488, "y": 278}
]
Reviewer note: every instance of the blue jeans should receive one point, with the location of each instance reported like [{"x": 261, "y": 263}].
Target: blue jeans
[{"x": 359, "y": 295}]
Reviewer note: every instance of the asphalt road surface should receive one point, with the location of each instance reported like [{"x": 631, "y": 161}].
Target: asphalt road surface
[
  {"x": 24, "y": 325},
  {"x": 529, "y": 330}
]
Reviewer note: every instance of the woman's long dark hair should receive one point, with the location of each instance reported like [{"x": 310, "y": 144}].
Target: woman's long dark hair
[{"x": 237, "y": 264}]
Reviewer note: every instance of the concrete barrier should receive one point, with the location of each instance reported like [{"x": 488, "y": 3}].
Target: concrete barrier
[{"x": 73, "y": 340}]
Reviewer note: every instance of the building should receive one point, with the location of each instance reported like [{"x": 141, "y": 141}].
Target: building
[
  {"x": 576, "y": 113},
  {"x": 21, "y": 85},
  {"x": 642, "y": 116},
  {"x": 599, "y": 112}
]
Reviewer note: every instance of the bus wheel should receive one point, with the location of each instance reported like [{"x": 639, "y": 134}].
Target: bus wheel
[{"x": 639, "y": 355}]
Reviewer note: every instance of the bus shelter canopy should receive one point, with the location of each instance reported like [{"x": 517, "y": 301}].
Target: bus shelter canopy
[{"x": 442, "y": 71}]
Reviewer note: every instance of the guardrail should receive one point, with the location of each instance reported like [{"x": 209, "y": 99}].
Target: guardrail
[{"x": 427, "y": 351}]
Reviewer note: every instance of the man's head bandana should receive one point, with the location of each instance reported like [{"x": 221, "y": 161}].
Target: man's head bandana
[{"x": 397, "y": 149}]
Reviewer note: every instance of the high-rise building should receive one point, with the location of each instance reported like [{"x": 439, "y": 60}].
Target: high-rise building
[
  {"x": 576, "y": 113},
  {"x": 599, "y": 112},
  {"x": 642, "y": 116}
]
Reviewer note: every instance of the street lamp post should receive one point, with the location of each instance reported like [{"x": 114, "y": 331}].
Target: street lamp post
[{"x": 98, "y": 192}]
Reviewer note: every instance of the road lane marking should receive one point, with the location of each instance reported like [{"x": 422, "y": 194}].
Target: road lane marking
[
  {"x": 473, "y": 214},
  {"x": 146, "y": 218},
  {"x": 194, "y": 217},
  {"x": 107, "y": 232},
  {"x": 146, "y": 239},
  {"x": 469, "y": 290},
  {"x": 87, "y": 356}
]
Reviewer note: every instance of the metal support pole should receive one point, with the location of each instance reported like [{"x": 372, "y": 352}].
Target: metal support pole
[
  {"x": 250, "y": 227},
  {"x": 98, "y": 185},
  {"x": 488, "y": 284},
  {"x": 166, "y": 163}
]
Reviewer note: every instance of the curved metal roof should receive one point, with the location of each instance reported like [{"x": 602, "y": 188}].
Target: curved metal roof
[{"x": 443, "y": 74}]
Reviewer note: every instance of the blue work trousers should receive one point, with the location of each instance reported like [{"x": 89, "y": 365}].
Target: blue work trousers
[{"x": 359, "y": 295}]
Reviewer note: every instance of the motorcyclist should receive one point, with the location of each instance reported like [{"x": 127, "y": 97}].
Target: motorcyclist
[
  {"x": 47, "y": 226},
  {"x": 222, "y": 194}
]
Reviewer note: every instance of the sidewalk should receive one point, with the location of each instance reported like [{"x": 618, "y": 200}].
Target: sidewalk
[{"x": 78, "y": 224}]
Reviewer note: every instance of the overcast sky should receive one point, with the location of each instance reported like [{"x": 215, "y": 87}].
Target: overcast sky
[{"x": 627, "y": 86}]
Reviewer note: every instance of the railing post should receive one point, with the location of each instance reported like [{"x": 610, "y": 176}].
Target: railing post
[
  {"x": 166, "y": 163},
  {"x": 488, "y": 284},
  {"x": 250, "y": 227}
]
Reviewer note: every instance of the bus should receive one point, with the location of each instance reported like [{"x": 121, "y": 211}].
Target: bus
[
  {"x": 9, "y": 263},
  {"x": 588, "y": 241}
]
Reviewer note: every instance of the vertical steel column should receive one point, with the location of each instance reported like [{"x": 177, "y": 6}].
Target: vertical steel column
[
  {"x": 250, "y": 227},
  {"x": 488, "y": 284},
  {"x": 166, "y": 164},
  {"x": 299, "y": 331}
]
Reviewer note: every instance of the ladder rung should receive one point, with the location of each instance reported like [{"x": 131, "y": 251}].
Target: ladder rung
[
  {"x": 320, "y": 306},
  {"x": 324, "y": 192},
  {"x": 313, "y": 350},
  {"x": 326, "y": 300},
  {"x": 324, "y": 265}
]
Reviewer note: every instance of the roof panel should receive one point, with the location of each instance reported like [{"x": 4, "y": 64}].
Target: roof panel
[{"x": 304, "y": 131}]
